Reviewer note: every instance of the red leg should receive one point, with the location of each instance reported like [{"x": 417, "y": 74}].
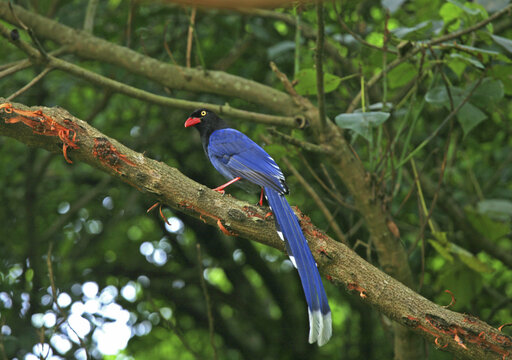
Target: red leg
[
  {"x": 221, "y": 188},
  {"x": 261, "y": 198}
]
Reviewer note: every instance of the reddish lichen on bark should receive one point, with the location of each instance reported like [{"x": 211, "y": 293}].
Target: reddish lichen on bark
[
  {"x": 109, "y": 155},
  {"x": 42, "y": 124},
  {"x": 490, "y": 341}
]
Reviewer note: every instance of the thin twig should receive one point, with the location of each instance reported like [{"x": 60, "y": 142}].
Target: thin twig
[
  {"x": 354, "y": 229},
  {"x": 422, "y": 210},
  {"x": 332, "y": 192},
  {"x": 320, "y": 39},
  {"x": 129, "y": 23},
  {"x": 32, "y": 82},
  {"x": 21, "y": 65},
  {"x": 413, "y": 110},
  {"x": 208, "y": 301},
  {"x": 445, "y": 121},
  {"x": 445, "y": 79},
  {"x": 99, "y": 106},
  {"x": 288, "y": 86},
  {"x": 321, "y": 149},
  {"x": 436, "y": 193},
  {"x": 50, "y": 275},
  {"x": 190, "y": 36},
  {"x": 166, "y": 45},
  {"x": 200, "y": 54},
  {"x": 375, "y": 78},
  {"x": 238, "y": 49},
  {"x": 390, "y": 151},
  {"x": 38, "y": 45},
  {"x": 296, "y": 61},
  {"x": 330, "y": 179}
]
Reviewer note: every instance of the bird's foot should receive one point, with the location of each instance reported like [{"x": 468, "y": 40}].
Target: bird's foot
[{"x": 220, "y": 191}]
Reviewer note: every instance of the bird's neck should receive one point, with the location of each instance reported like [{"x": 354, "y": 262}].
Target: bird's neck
[{"x": 208, "y": 130}]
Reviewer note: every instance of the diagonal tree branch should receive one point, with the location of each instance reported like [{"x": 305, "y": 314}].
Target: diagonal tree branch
[
  {"x": 172, "y": 76},
  {"x": 103, "y": 81},
  {"x": 463, "y": 335}
]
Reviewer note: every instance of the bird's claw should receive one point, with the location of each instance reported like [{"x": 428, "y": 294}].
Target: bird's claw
[{"x": 220, "y": 191}]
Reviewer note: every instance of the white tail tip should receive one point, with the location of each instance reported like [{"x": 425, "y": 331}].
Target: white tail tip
[{"x": 320, "y": 327}]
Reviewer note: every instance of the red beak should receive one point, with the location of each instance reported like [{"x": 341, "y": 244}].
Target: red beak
[{"x": 192, "y": 121}]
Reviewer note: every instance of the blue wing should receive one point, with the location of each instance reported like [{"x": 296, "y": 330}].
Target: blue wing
[{"x": 233, "y": 154}]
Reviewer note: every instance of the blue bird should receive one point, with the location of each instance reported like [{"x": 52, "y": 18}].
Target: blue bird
[{"x": 239, "y": 159}]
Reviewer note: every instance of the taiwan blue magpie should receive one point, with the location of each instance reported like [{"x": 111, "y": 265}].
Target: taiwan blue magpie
[{"x": 239, "y": 159}]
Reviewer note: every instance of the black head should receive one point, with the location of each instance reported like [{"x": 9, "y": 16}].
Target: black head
[{"x": 206, "y": 121}]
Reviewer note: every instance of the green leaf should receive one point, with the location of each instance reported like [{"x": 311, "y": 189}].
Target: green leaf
[
  {"x": 468, "y": 10},
  {"x": 441, "y": 237},
  {"x": 489, "y": 92},
  {"x": 469, "y": 259},
  {"x": 464, "y": 284},
  {"x": 448, "y": 250},
  {"x": 451, "y": 14},
  {"x": 499, "y": 209},
  {"x": 478, "y": 50},
  {"x": 503, "y": 42},
  {"x": 361, "y": 123},
  {"x": 401, "y": 75},
  {"x": 441, "y": 249},
  {"x": 486, "y": 226},
  {"x": 439, "y": 95},
  {"x": 469, "y": 60},
  {"x": 29, "y": 275},
  {"x": 469, "y": 116},
  {"x": 457, "y": 66},
  {"x": 493, "y": 5},
  {"x": 504, "y": 73},
  {"x": 307, "y": 82},
  {"x": 392, "y": 5},
  {"x": 418, "y": 30},
  {"x": 281, "y": 27},
  {"x": 280, "y": 48}
]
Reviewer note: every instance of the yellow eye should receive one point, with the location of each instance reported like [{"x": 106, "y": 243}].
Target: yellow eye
[{"x": 203, "y": 113}]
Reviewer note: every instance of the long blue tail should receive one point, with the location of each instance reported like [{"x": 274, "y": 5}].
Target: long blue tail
[{"x": 320, "y": 324}]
